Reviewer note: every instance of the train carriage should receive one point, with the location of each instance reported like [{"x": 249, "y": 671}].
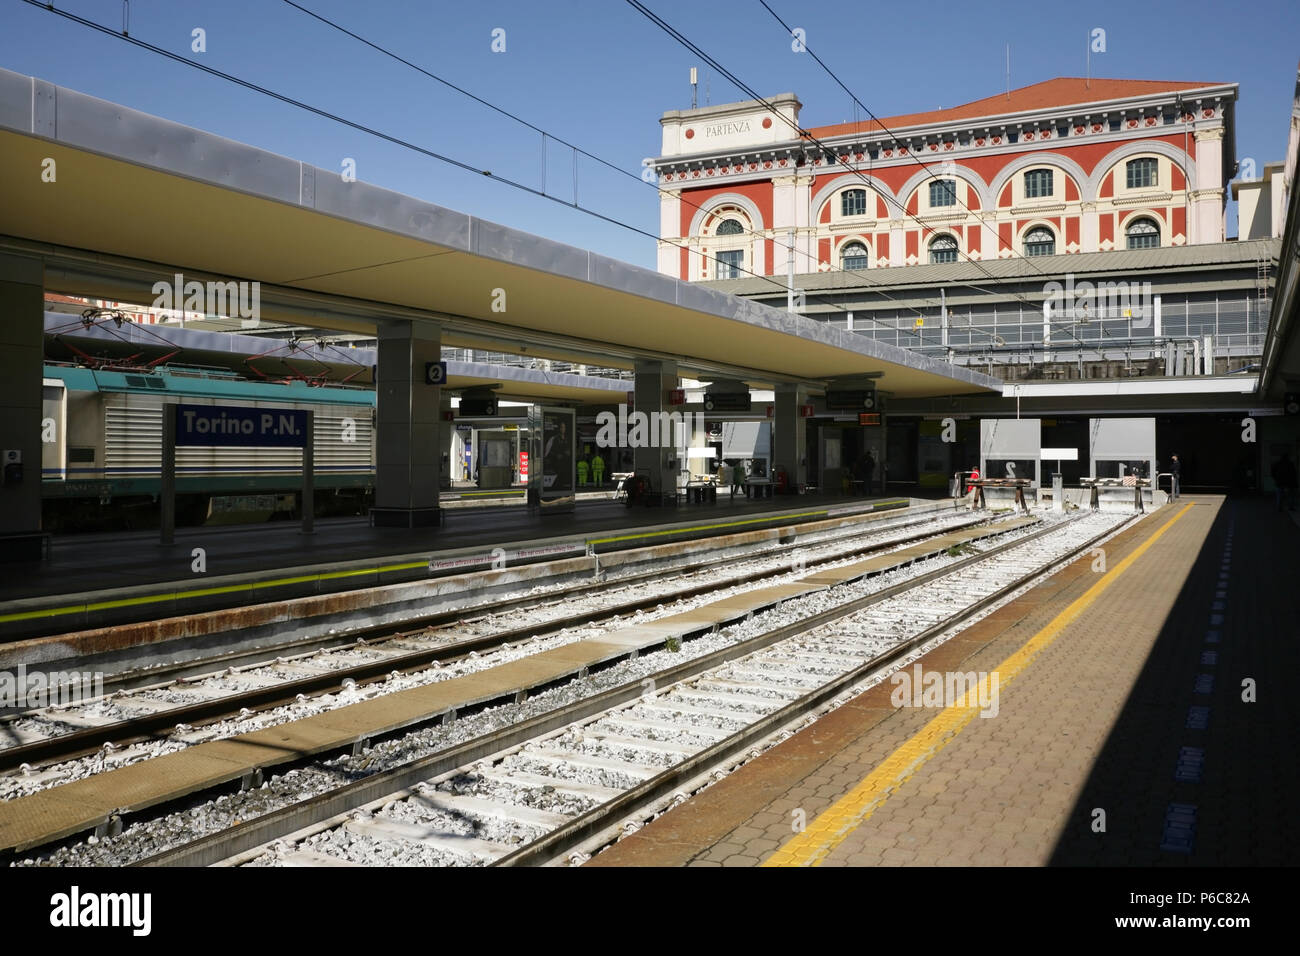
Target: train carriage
[{"x": 102, "y": 433}]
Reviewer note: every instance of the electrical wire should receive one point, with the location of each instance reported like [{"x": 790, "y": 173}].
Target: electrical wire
[
  {"x": 578, "y": 150},
  {"x": 828, "y": 153}
]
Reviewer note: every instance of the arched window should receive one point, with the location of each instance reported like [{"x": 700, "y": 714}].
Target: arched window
[
  {"x": 1040, "y": 241},
  {"x": 853, "y": 256},
  {"x": 853, "y": 202},
  {"x": 1143, "y": 234},
  {"x": 730, "y": 227},
  {"x": 1140, "y": 172},
  {"x": 943, "y": 249}
]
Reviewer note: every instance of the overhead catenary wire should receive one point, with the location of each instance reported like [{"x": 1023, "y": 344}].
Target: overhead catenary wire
[
  {"x": 577, "y": 151},
  {"x": 387, "y": 137},
  {"x": 829, "y": 153},
  {"x": 920, "y": 162}
]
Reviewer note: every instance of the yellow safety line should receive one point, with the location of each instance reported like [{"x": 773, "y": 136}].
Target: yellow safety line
[{"x": 832, "y": 827}]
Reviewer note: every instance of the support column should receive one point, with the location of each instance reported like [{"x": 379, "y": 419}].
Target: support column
[
  {"x": 789, "y": 435},
  {"x": 654, "y": 380},
  {"x": 670, "y": 227},
  {"x": 1089, "y": 227},
  {"x": 898, "y": 243},
  {"x": 1205, "y": 217},
  {"x": 408, "y": 449},
  {"x": 22, "y": 315}
]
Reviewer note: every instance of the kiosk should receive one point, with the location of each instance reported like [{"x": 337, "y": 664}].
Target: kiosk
[{"x": 552, "y": 471}]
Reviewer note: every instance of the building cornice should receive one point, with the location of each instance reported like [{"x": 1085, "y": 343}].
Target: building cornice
[{"x": 1060, "y": 127}]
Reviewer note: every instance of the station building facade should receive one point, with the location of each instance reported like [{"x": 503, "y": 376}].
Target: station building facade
[
  {"x": 1060, "y": 167},
  {"x": 955, "y": 233}
]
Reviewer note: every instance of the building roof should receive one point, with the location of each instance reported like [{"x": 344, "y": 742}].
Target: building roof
[
  {"x": 1058, "y": 92},
  {"x": 1115, "y": 264}
]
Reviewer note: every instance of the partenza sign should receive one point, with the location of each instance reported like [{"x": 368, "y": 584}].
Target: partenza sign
[{"x": 235, "y": 425}]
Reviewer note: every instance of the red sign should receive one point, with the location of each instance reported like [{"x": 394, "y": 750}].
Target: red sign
[
  {"x": 771, "y": 411},
  {"x": 677, "y": 396},
  {"x": 806, "y": 411},
  {"x": 631, "y": 400},
  {"x": 868, "y": 418},
  {"x": 523, "y": 467}
]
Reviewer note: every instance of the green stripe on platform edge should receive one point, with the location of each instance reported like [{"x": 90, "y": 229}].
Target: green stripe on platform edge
[{"x": 334, "y": 575}]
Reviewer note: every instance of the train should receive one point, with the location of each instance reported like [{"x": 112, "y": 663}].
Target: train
[{"x": 101, "y": 433}]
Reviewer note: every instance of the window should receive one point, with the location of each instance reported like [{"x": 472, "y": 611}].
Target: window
[
  {"x": 1038, "y": 184},
  {"x": 943, "y": 249},
  {"x": 1143, "y": 234},
  {"x": 853, "y": 202},
  {"x": 730, "y": 263},
  {"x": 853, "y": 256},
  {"x": 1040, "y": 241},
  {"x": 943, "y": 192},
  {"x": 730, "y": 227},
  {"x": 1140, "y": 172}
]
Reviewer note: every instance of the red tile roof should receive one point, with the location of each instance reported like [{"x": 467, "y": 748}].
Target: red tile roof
[{"x": 1062, "y": 91}]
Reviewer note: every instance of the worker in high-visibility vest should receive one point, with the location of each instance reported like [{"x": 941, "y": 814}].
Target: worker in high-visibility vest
[
  {"x": 582, "y": 471},
  {"x": 598, "y": 469}
]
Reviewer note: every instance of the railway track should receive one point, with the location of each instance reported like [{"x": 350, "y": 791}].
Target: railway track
[
  {"x": 178, "y": 709},
  {"x": 561, "y": 796},
  {"x": 620, "y": 750}
]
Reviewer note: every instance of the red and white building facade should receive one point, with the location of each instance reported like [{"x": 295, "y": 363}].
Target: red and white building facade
[{"x": 1064, "y": 166}]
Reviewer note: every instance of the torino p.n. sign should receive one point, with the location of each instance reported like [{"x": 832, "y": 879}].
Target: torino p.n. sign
[{"x": 238, "y": 426}]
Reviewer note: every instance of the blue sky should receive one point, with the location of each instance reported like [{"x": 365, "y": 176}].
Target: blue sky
[{"x": 598, "y": 74}]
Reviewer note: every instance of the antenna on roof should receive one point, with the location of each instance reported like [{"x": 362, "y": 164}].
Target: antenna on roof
[
  {"x": 1008, "y": 71},
  {"x": 695, "y": 83}
]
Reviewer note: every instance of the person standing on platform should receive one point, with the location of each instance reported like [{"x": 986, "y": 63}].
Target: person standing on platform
[
  {"x": 1284, "y": 478},
  {"x": 868, "y": 474},
  {"x": 598, "y": 469},
  {"x": 582, "y": 471},
  {"x": 1175, "y": 469},
  {"x": 737, "y": 477}
]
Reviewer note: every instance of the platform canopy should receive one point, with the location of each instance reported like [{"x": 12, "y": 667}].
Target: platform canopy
[{"x": 138, "y": 198}]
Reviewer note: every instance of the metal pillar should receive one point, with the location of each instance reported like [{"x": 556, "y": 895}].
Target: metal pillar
[
  {"x": 22, "y": 305},
  {"x": 790, "y": 436},
  {"x": 654, "y": 381},
  {"x": 408, "y": 453},
  {"x": 309, "y": 475}
]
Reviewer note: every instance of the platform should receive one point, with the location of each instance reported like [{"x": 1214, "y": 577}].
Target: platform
[
  {"x": 96, "y": 580},
  {"x": 1121, "y": 735}
]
